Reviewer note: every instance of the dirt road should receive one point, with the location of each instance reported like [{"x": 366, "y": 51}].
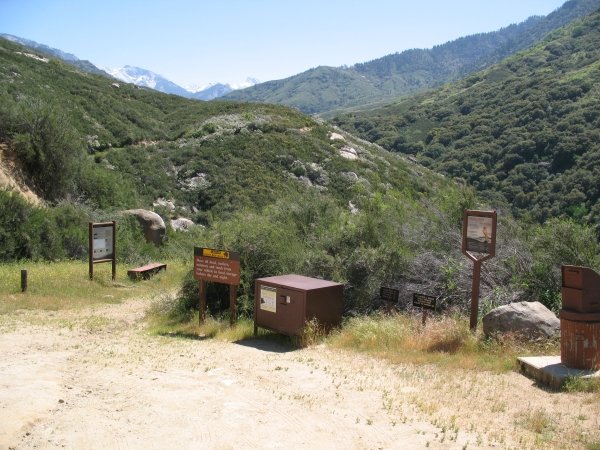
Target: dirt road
[{"x": 94, "y": 379}]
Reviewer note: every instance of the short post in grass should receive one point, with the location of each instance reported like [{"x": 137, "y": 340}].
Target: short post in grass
[
  {"x": 479, "y": 245},
  {"x": 23, "y": 280},
  {"x": 217, "y": 266}
]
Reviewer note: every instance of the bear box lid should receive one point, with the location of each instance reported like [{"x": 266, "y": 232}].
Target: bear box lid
[{"x": 299, "y": 282}]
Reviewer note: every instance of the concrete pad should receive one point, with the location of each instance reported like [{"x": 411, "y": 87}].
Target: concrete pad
[{"x": 549, "y": 371}]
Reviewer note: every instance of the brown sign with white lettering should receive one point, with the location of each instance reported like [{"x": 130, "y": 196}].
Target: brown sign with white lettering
[{"x": 217, "y": 266}]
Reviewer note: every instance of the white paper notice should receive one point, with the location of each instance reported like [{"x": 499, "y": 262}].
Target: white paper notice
[{"x": 268, "y": 299}]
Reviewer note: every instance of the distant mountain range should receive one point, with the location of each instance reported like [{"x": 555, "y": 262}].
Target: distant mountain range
[
  {"x": 69, "y": 58},
  {"x": 147, "y": 78},
  {"x": 325, "y": 89},
  {"x": 524, "y": 132},
  {"x": 136, "y": 75}
]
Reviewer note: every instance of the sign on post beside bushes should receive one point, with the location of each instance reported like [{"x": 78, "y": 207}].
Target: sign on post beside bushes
[
  {"x": 479, "y": 245},
  {"x": 425, "y": 302},
  {"x": 217, "y": 266},
  {"x": 102, "y": 245},
  {"x": 389, "y": 294}
]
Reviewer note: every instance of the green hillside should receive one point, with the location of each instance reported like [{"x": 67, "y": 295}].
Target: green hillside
[
  {"x": 291, "y": 193},
  {"x": 71, "y": 130},
  {"x": 322, "y": 90},
  {"x": 265, "y": 180},
  {"x": 525, "y": 132}
]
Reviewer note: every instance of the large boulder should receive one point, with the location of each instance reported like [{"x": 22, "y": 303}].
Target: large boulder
[
  {"x": 528, "y": 319},
  {"x": 152, "y": 225}
]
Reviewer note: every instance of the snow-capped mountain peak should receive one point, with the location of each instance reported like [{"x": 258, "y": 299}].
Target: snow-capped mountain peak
[
  {"x": 135, "y": 75},
  {"x": 147, "y": 78},
  {"x": 248, "y": 82}
]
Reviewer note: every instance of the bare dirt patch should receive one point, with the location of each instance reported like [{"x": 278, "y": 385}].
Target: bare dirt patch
[
  {"x": 96, "y": 379},
  {"x": 11, "y": 177}
]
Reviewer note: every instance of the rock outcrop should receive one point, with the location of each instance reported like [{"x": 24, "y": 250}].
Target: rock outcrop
[
  {"x": 528, "y": 319},
  {"x": 181, "y": 224},
  {"x": 151, "y": 223}
]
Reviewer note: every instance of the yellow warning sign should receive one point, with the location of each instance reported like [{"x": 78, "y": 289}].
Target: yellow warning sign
[{"x": 209, "y": 252}]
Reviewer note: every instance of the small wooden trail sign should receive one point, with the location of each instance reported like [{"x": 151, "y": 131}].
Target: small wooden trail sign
[{"x": 426, "y": 303}]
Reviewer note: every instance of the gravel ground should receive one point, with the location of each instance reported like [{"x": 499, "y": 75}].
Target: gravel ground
[{"x": 95, "y": 379}]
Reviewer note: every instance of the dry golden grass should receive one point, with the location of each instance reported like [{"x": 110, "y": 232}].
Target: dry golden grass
[
  {"x": 468, "y": 382},
  {"x": 445, "y": 341}
]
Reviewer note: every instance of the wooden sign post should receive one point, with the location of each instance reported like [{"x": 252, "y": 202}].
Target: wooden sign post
[
  {"x": 479, "y": 245},
  {"x": 217, "y": 266},
  {"x": 426, "y": 303},
  {"x": 102, "y": 245}
]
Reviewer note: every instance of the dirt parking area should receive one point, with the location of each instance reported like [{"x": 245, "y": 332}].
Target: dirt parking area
[{"x": 95, "y": 379}]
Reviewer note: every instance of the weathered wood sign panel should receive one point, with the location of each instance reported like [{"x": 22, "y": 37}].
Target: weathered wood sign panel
[
  {"x": 102, "y": 245},
  {"x": 389, "y": 294}
]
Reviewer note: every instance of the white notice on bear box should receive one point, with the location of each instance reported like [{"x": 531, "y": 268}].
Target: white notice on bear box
[{"x": 268, "y": 299}]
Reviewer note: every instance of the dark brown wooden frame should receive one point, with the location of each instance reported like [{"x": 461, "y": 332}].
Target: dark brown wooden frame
[
  {"x": 201, "y": 252},
  {"x": 477, "y": 259},
  {"x": 112, "y": 260}
]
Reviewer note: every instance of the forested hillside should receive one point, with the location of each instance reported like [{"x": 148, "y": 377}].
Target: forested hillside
[
  {"x": 290, "y": 193},
  {"x": 283, "y": 189},
  {"x": 525, "y": 132},
  {"x": 325, "y": 89},
  {"x": 77, "y": 134}
]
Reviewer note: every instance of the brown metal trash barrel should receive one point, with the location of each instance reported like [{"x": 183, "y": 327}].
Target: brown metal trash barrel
[{"x": 580, "y": 340}]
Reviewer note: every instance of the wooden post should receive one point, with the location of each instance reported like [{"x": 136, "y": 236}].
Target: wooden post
[
  {"x": 91, "y": 250},
  {"x": 232, "y": 305},
  {"x": 424, "y": 319},
  {"x": 479, "y": 245},
  {"x": 475, "y": 294},
  {"x": 23, "y": 280},
  {"x": 114, "y": 247},
  {"x": 202, "y": 305}
]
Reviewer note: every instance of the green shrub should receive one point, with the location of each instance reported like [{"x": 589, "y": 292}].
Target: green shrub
[
  {"x": 558, "y": 242},
  {"x": 49, "y": 148},
  {"x": 30, "y": 232},
  {"x": 132, "y": 247}
]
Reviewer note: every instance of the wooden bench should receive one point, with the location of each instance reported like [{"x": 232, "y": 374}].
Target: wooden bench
[{"x": 145, "y": 272}]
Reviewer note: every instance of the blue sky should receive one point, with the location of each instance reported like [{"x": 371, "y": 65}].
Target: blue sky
[{"x": 197, "y": 42}]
